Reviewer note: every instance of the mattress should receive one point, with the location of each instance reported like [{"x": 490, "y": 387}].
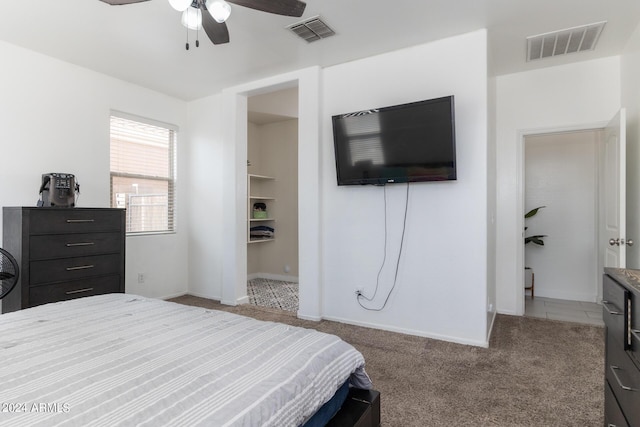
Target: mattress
[{"x": 122, "y": 359}]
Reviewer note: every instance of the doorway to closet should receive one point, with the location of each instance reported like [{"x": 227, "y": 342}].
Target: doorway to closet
[{"x": 272, "y": 200}]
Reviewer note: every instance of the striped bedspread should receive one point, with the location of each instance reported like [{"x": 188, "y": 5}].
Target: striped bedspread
[{"x": 126, "y": 360}]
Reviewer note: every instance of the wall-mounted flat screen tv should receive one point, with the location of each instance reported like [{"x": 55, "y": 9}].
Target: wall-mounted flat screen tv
[{"x": 402, "y": 143}]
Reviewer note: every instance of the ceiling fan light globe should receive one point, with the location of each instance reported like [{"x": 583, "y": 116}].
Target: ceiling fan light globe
[
  {"x": 192, "y": 18},
  {"x": 219, "y": 10},
  {"x": 180, "y": 5}
]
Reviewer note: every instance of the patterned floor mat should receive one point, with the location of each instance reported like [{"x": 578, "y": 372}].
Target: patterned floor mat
[{"x": 273, "y": 294}]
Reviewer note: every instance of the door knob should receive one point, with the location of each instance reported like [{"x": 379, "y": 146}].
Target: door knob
[{"x": 618, "y": 242}]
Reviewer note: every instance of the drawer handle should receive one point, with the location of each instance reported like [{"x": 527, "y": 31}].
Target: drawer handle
[
  {"x": 615, "y": 313},
  {"x": 71, "y": 245},
  {"x": 615, "y": 374},
  {"x": 81, "y": 267},
  {"x": 79, "y": 291},
  {"x": 75, "y": 221}
]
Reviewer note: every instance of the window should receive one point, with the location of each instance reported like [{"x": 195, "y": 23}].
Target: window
[{"x": 143, "y": 174}]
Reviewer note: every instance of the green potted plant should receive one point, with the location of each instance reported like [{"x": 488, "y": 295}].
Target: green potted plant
[{"x": 537, "y": 239}]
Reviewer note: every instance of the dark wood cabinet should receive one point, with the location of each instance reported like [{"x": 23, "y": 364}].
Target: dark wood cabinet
[
  {"x": 63, "y": 253},
  {"x": 621, "y": 314}
]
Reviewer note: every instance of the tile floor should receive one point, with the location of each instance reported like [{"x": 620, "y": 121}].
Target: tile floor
[{"x": 568, "y": 311}]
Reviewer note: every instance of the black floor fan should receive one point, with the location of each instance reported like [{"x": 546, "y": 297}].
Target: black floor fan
[{"x": 9, "y": 273}]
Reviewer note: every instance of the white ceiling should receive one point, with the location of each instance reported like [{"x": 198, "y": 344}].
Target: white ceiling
[{"x": 144, "y": 43}]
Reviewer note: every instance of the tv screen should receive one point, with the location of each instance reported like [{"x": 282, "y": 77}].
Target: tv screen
[{"x": 403, "y": 143}]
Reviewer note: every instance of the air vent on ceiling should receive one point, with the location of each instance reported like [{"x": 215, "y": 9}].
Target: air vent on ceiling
[
  {"x": 312, "y": 29},
  {"x": 570, "y": 40}
]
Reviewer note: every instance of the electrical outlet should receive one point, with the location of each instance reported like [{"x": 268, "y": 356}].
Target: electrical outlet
[{"x": 141, "y": 277}]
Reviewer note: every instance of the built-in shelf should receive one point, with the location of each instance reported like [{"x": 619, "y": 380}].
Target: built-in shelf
[
  {"x": 255, "y": 176},
  {"x": 259, "y": 189},
  {"x": 257, "y": 240}
]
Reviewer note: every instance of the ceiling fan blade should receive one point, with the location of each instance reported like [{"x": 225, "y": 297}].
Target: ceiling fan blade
[
  {"x": 121, "y": 2},
  {"x": 279, "y": 7},
  {"x": 217, "y": 32}
]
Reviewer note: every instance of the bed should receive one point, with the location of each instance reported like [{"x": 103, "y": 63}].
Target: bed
[{"x": 121, "y": 359}]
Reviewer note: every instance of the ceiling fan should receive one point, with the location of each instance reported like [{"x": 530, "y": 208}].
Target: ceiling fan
[{"x": 214, "y": 13}]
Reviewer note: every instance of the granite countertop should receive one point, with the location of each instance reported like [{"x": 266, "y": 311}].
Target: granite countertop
[{"x": 625, "y": 275}]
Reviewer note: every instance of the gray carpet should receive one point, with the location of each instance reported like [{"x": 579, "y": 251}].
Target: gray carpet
[{"x": 537, "y": 372}]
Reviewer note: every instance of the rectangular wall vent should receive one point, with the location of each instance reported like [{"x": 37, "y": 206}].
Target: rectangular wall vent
[
  {"x": 312, "y": 29},
  {"x": 570, "y": 40}
]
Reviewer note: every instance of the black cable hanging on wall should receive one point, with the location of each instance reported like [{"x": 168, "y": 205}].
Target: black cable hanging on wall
[{"x": 359, "y": 295}]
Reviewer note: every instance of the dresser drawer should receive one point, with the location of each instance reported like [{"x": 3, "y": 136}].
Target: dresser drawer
[
  {"x": 50, "y": 246},
  {"x": 624, "y": 378},
  {"x": 614, "y": 306},
  {"x": 39, "y": 295},
  {"x": 613, "y": 416},
  {"x": 77, "y": 220},
  {"x": 635, "y": 328},
  {"x": 74, "y": 268}
]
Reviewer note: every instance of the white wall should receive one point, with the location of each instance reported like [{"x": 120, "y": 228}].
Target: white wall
[
  {"x": 55, "y": 118},
  {"x": 205, "y": 179},
  {"x": 561, "y": 173},
  {"x": 442, "y": 281},
  {"x": 630, "y": 70},
  {"x": 570, "y": 96}
]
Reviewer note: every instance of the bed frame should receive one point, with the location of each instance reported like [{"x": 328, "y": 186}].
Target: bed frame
[{"x": 361, "y": 409}]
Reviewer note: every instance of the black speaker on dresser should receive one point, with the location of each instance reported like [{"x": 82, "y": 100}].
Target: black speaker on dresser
[{"x": 58, "y": 190}]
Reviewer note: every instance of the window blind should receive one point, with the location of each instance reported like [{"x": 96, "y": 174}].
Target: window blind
[{"x": 143, "y": 174}]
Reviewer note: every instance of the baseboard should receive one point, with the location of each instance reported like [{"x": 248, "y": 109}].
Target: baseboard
[
  {"x": 239, "y": 301},
  {"x": 206, "y": 296},
  {"x": 569, "y": 296},
  {"x": 269, "y": 276},
  {"x": 166, "y": 297},
  {"x": 229, "y": 302},
  {"x": 457, "y": 340},
  {"x": 312, "y": 318}
]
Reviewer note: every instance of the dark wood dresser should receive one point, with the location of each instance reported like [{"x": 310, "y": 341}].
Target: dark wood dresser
[
  {"x": 63, "y": 253},
  {"x": 621, "y": 313}
]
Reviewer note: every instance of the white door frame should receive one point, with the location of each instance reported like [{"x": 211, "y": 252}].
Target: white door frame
[
  {"x": 520, "y": 211},
  {"x": 234, "y": 110}
]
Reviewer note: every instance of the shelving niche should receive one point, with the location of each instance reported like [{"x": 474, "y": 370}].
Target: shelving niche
[{"x": 260, "y": 189}]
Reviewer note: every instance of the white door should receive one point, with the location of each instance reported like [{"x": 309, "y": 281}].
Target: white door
[{"x": 613, "y": 193}]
